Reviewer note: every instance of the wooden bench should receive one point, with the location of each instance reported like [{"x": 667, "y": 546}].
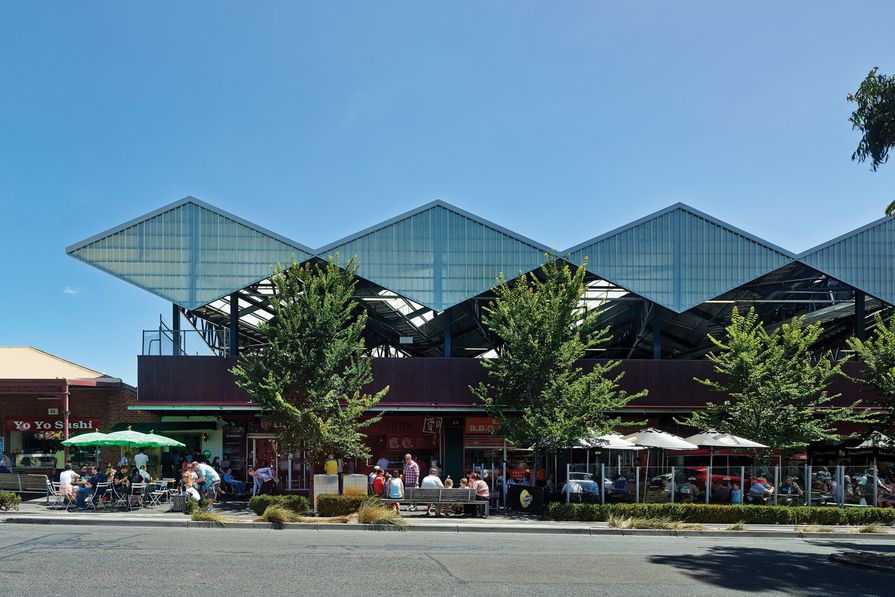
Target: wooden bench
[
  {"x": 453, "y": 496},
  {"x": 23, "y": 483}
]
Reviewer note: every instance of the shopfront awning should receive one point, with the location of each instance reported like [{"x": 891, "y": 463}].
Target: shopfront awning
[
  {"x": 160, "y": 427},
  {"x": 215, "y": 407}
]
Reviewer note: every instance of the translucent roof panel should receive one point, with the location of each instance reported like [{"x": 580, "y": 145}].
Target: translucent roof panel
[
  {"x": 679, "y": 257},
  {"x": 438, "y": 255},
  {"x": 863, "y": 259},
  {"x": 189, "y": 252}
]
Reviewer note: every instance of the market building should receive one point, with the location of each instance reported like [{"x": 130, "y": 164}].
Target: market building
[
  {"x": 44, "y": 399},
  {"x": 663, "y": 283}
]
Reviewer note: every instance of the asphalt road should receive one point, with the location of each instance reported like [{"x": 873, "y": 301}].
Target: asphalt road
[{"x": 59, "y": 560}]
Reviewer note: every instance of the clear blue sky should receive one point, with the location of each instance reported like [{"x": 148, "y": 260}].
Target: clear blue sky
[{"x": 557, "y": 120}]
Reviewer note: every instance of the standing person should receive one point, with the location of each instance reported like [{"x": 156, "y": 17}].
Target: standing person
[
  {"x": 382, "y": 463},
  {"x": 141, "y": 460},
  {"x": 331, "y": 466},
  {"x": 378, "y": 485},
  {"x": 371, "y": 478},
  {"x": 411, "y": 475},
  {"x": 396, "y": 489},
  {"x": 6, "y": 463},
  {"x": 432, "y": 481}
]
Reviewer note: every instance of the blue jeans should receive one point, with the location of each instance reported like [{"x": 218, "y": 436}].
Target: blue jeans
[
  {"x": 82, "y": 496},
  {"x": 238, "y": 486}
]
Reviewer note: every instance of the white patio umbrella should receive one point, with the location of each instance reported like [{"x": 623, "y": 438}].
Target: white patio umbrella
[
  {"x": 654, "y": 438},
  {"x": 712, "y": 439},
  {"x": 613, "y": 441}
]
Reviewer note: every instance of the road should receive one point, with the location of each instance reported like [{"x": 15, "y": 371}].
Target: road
[{"x": 60, "y": 560}]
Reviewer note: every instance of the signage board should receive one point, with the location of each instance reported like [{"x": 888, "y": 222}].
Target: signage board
[
  {"x": 432, "y": 425},
  {"x": 481, "y": 425},
  {"x": 44, "y": 425}
]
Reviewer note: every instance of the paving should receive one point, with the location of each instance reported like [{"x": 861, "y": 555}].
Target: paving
[
  {"x": 35, "y": 511},
  {"x": 97, "y": 560}
]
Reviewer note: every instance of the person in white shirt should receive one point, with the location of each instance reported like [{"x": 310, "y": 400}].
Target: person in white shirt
[
  {"x": 141, "y": 460},
  {"x": 432, "y": 481},
  {"x": 66, "y": 482}
]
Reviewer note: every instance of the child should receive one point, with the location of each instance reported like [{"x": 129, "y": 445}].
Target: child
[{"x": 736, "y": 494}]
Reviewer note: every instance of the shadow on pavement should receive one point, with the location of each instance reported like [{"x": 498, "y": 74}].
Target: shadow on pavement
[{"x": 760, "y": 570}]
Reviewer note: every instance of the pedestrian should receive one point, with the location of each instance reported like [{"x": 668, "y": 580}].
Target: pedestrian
[
  {"x": 411, "y": 475},
  {"x": 331, "y": 466},
  {"x": 208, "y": 479},
  {"x": 379, "y": 482},
  {"x": 396, "y": 489},
  {"x": 371, "y": 478}
]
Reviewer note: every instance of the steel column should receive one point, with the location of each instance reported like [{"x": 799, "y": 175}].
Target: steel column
[
  {"x": 234, "y": 325},
  {"x": 175, "y": 329}
]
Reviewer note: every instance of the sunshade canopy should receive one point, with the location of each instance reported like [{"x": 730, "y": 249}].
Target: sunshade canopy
[
  {"x": 612, "y": 441},
  {"x": 654, "y": 438},
  {"x": 716, "y": 439},
  {"x": 94, "y": 438}
]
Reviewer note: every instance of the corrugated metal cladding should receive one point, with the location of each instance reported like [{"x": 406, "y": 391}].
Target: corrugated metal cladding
[
  {"x": 438, "y": 256},
  {"x": 188, "y": 253},
  {"x": 864, "y": 259},
  {"x": 679, "y": 257}
]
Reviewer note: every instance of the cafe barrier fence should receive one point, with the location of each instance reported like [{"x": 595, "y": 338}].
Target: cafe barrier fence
[{"x": 774, "y": 485}]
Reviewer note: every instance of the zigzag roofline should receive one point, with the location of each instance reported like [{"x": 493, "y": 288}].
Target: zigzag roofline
[
  {"x": 180, "y": 203},
  {"x": 695, "y": 212},
  {"x": 418, "y": 210},
  {"x": 845, "y": 236}
]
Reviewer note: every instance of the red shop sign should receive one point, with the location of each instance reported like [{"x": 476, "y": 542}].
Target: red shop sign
[{"x": 44, "y": 425}]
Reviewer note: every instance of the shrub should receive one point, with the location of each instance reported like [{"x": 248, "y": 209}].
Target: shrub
[
  {"x": 723, "y": 514},
  {"x": 295, "y": 503},
  {"x": 278, "y": 514},
  {"x": 190, "y": 506},
  {"x": 342, "y": 505},
  {"x": 373, "y": 513},
  {"x": 9, "y": 500}
]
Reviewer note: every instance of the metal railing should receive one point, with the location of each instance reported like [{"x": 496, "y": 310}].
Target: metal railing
[{"x": 804, "y": 485}]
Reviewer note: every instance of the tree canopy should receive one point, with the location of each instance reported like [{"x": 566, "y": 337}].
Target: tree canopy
[
  {"x": 877, "y": 354},
  {"x": 536, "y": 388},
  {"x": 312, "y": 371},
  {"x": 874, "y": 117},
  {"x": 777, "y": 387}
]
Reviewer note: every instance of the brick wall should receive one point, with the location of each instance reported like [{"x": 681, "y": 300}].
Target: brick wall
[{"x": 108, "y": 405}]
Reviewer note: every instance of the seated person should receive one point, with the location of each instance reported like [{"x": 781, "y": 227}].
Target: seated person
[
  {"x": 89, "y": 489},
  {"x": 790, "y": 490},
  {"x": 238, "y": 486},
  {"x": 120, "y": 481},
  {"x": 67, "y": 477},
  {"x": 144, "y": 476},
  {"x": 188, "y": 490},
  {"x": 760, "y": 491},
  {"x": 688, "y": 492},
  {"x": 620, "y": 487}
]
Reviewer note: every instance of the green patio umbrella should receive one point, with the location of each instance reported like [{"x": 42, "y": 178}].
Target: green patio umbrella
[
  {"x": 164, "y": 442},
  {"x": 128, "y": 438},
  {"x": 94, "y": 438}
]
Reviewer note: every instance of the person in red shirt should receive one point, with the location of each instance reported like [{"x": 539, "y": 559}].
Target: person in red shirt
[{"x": 378, "y": 483}]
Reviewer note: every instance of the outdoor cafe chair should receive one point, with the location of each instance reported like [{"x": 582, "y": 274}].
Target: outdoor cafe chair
[
  {"x": 160, "y": 494},
  {"x": 58, "y": 499},
  {"x": 97, "y": 497},
  {"x": 135, "y": 495}
]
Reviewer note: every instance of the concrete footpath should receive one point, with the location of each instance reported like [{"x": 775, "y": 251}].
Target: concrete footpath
[{"x": 238, "y": 516}]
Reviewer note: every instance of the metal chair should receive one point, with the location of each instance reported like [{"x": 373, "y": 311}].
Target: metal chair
[
  {"x": 97, "y": 496},
  {"x": 58, "y": 499},
  {"x": 159, "y": 495},
  {"x": 135, "y": 495}
]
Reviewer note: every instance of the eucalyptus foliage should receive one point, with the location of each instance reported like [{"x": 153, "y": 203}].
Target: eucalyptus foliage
[
  {"x": 777, "y": 387},
  {"x": 874, "y": 116},
  {"x": 312, "y": 371},
  {"x": 536, "y": 388},
  {"x": 877, "y": 354}
]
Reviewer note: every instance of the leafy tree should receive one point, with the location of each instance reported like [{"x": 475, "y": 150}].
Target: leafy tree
[
  {"x": 875, "y": 118},
  {"x": 541, "y": 397},
  {"x": 877, "y": 354},
  {"x": 777, "y": 386},
  {"x": 312, "y": 370}
]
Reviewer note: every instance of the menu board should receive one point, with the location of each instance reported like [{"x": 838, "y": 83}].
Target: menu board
[{"x": 235, "y": 447}]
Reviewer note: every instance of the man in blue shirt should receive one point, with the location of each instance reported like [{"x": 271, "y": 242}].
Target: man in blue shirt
[
  {"x": 208, "y": 480},
  {"x": 760, "y": 491},
  {"x": 238, "y": 486},
  {"x": 96, "y": 478}
]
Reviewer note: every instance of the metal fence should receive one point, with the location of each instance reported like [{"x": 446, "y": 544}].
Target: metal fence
[{"x": 802, "y": 485}]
